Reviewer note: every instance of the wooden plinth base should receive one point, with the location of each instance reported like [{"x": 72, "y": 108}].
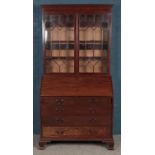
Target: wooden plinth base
[{"x": 108, "y": 142}]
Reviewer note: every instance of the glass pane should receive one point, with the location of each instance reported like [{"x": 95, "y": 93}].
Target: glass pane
[
  {"x": 93, "y": 38},
  {"x": 59, "y": 43}
]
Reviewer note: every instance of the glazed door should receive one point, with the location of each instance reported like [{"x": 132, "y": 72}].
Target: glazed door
[
  {"x": 59, "y": 44},
  {"x": 76, "y": 43},
  {"x": 94, "y": 39}
]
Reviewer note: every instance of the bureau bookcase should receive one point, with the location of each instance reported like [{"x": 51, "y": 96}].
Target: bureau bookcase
[{"x": 76, "y": 97}]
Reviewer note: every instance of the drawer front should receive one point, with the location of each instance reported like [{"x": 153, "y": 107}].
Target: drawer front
[
  {"x": 76, "y": 121},
  {"x": 95, "y": 101},
  {"x": 75, "y": 106},
  {"x": 73, "y": 132}
]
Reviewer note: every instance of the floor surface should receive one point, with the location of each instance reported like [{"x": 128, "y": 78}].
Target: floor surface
[{"x": 77, "y": 148}]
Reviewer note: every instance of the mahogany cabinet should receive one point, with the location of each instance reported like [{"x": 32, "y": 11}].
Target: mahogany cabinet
[{"x": 76, "y": 97}]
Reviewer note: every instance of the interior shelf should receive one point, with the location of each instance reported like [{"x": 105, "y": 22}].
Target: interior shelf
[
  {"x": 51, "y": 25},
  {"x": 84, "y": 58},
  {"x": 89, "y": 45}
]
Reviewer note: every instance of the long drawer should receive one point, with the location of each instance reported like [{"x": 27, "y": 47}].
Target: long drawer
[
  {"x": 76, "y": 132},
  {"x": 76, "y": 120},
  {"x": 75, "y": 106}
]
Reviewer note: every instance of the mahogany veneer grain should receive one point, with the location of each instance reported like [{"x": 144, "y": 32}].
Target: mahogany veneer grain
[{"x": 76, "y": 106}]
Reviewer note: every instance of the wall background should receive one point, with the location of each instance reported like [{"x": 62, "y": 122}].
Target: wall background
[{"x": 115, "y": 56}]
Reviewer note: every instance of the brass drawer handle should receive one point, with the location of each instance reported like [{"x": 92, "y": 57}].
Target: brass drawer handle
[
  {"x": 59, "y": 103},
  {"x": 92, "y": 111},
  {"x": 62, "y": 100},
  {"x": 92, "y": 120},
  {"x": 60, "y": 132},
  {"x": 92, "y": 131},
  {"x": 59, "y": 120},
  {"x": 59, "y": 109},
  {"x": 59, "y": 100}
]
